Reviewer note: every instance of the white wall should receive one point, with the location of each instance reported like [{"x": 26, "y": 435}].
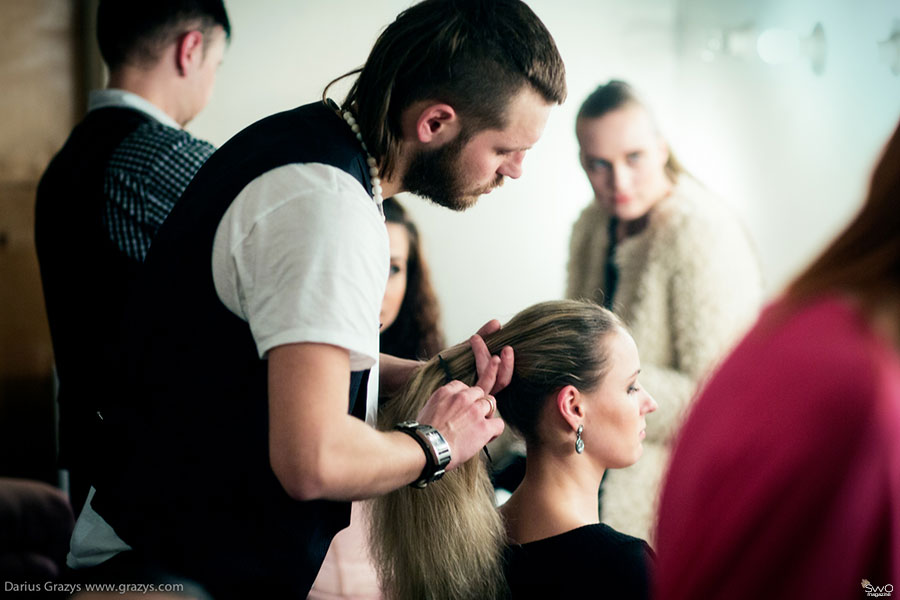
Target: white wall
[{"x": 788, "y": 149}]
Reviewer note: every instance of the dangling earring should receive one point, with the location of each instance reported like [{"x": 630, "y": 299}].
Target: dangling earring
[{"x": 579, "y": 443}]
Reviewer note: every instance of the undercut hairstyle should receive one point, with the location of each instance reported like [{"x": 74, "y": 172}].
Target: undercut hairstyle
[
  {"x": 416, "y": 332},
  {"x": 864, "y": 259},
  {"x": 474, "y": 55},
  {"x": 446, "y": 541},
  {"x": 134, "y": 32},
  {"x": 614, "y": 95}
]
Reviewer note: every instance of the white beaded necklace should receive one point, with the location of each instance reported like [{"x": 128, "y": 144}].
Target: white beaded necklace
[{"x": 370, "y": 160}]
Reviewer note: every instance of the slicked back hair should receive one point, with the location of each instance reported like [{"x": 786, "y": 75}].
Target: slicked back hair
[
  {"x": 616, "y": 94},
  {"x": 474, "y": 55}
]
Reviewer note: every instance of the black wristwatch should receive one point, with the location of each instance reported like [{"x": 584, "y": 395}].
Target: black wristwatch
[{"x": 437, "y": 451}]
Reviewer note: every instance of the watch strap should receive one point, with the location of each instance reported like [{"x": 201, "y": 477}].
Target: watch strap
[{"x": 436, "y": 448}]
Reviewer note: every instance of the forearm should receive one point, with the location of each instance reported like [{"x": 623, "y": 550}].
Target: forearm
[
  {"x": 393, "y": 373},
  {"x": 317, "y": 450},
  {"x": 352, "y": 461}
]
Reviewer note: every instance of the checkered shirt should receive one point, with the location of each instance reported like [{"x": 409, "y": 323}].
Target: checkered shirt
[{"x": 146, "y": 175}]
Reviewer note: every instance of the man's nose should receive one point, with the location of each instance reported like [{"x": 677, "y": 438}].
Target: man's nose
[{"x": 512, "y": 166}]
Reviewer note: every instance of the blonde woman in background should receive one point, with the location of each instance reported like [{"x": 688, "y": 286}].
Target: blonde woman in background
[
  {"x": 671, "y": 260},
  {"x": 575, "y": 398}
]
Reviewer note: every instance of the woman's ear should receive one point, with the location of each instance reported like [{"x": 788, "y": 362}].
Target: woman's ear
[{"x": 570, "y": 404}]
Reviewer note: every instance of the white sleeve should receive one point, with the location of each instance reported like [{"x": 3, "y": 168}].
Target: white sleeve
[{"x": 302, "y": 255}]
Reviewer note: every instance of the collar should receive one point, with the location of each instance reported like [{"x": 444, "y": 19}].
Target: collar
[{"x": 123, "y": 99}]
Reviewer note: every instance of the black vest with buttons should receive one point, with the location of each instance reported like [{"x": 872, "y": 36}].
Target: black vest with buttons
[{"x": 190, "y": 486}]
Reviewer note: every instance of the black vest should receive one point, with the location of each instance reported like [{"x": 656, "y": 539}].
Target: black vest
[
  {"x": 192, "y": 487},
  {"x": 86, "y": 278}
]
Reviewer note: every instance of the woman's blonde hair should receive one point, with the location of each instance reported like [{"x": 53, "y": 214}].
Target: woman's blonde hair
[{"x": 446, "y": 541}]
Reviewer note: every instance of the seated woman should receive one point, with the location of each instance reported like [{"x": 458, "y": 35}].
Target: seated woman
[{"x": 574, "y": 397}]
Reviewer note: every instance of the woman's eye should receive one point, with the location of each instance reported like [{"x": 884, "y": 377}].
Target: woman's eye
[
  {"x": 633, "y": 388},
  {"x": 395, "y": 269},
  {"x": 634, "y": 158},
  {"x": 598, "y": 165}
]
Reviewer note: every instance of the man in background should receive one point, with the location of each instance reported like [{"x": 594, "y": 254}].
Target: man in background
[{"x": 105, "y": 194}]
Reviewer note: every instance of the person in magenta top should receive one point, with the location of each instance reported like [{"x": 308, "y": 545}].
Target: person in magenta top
[{"x": 785, "y": 479}]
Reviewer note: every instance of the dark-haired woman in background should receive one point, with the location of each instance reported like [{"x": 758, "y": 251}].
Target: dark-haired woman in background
[{"x": 409, "y": 313}]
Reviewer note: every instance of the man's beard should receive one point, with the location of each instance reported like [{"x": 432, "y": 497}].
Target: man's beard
[{"x": 436, "y": 175}]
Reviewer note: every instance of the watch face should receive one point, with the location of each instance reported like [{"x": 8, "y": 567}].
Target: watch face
[{"x": 439, "y": 446}]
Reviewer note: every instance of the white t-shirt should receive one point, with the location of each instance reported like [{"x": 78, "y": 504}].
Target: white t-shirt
[{"x": 302, "y": 255}]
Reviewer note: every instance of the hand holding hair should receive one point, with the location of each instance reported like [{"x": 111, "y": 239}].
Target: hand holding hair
[
  {"x": 458, "y": 412},
  {"x": 483, "y": 357}
]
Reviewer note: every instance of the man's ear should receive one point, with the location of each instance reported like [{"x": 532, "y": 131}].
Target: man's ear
[
  {"x": 436, "y": 123},
  {"x": 189, "y": 52},
  {"x": 570, "y": 404}
]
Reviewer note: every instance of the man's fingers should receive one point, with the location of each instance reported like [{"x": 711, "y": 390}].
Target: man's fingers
[
  {"x": 488, "y": 376},
  {"x": 489, "y": 328},
  {"x": 495, "y": 426},
  {"x": 486, "y": 366},
  {"x": 480, "y": 352},
  {"x": 505, "y": 370}
]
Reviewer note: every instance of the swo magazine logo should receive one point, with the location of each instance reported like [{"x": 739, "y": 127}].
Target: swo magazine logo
[{"x": 877, "y": 591}]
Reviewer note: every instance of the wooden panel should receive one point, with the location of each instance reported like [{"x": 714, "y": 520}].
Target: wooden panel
[
  {"x": 40, "y": 76},
  {"x": 25, "y": 348},
  {"x": 41, "y": 50}
]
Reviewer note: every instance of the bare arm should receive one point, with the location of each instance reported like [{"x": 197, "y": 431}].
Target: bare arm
[
  {"x": 317, "y": 450},
  {"x": 393, "y": 373}
]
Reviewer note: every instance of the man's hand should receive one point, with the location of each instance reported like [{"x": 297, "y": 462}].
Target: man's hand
[
  {"x": 491, "y": 379},
  {"x": 463, "y": 416}
]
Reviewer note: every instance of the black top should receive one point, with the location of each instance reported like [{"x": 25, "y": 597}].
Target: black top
[
  {"x": 86, "y": 278},
  {"x": 593, "y": 561},
  {"x": 190, "y": 486}
]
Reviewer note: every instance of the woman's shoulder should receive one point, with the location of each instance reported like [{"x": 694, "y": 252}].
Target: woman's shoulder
[
  {"x": 604, "y": 538},
  {"x": 590, "y": 542},
  {"x": 695, "y": 221},
  {"x": 591, "y": 217},
  {"x": 691, "y": 204},
  {"x": 618, "y": 562}
]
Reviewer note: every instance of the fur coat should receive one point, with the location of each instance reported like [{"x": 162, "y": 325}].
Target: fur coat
[{"x": 689, "y": 285}]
